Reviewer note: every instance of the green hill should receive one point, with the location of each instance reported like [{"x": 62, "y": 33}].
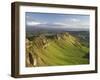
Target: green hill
[{"x": 56, "y": 50}]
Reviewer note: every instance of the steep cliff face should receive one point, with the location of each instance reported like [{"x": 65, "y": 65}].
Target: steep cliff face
[{"x": 59, "y": 49}]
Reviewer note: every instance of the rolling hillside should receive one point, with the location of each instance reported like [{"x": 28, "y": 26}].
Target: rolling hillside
[{"x": 55, "y": 50}]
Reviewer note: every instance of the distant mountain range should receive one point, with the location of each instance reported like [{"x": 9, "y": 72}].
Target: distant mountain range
[{"x": 54, "y": 27}]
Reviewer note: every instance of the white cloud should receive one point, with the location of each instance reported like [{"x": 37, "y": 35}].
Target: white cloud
[
  {"x": 27, "y": 17},
  {"x": 72, "y": 25},
  {"x": 59, "y": 23},
  {"x": 32, "y": 23},
  {"x": 62, "y": 23},
  {"x": 74, "y": 20}
]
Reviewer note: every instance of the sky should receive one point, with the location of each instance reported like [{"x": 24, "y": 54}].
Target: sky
[{"x": 56, "y": 20}]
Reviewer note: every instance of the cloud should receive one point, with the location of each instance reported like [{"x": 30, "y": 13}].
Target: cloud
[
  {"x": 62, "y": 25},
  {"x": 71, "y": 25},
  {"x": 74, "y": 20},
  {"x": 32, "y": 23},
  {"x": 58, "y": 23}
]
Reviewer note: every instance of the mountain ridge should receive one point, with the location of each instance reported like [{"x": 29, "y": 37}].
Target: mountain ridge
[{"x": 55, "y": 50}]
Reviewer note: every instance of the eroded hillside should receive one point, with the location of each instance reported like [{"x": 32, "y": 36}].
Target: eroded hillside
[{"x": 55, "y": 50}]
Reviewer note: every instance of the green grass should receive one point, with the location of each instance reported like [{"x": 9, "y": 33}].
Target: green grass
[{"x": 66, "y": 51}]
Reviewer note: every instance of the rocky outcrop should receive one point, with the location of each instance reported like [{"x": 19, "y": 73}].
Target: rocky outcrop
[{"x": 41, "y": 42}]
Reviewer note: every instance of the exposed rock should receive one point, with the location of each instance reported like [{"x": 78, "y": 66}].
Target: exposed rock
[{"x": 41, "y": 41}]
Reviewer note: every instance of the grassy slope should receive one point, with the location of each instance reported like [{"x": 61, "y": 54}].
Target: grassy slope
[{"x": 67, "y": 51}]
